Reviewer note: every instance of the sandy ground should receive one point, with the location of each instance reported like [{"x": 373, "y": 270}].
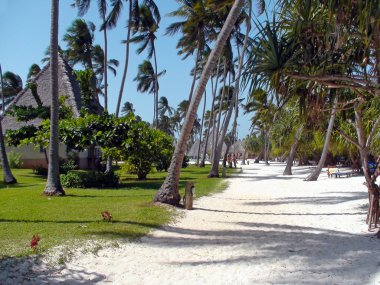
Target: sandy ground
[{"x": 264, "y": 229}]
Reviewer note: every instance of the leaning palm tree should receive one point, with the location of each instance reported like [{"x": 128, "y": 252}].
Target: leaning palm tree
[
  {"x": 53, "y": 185},
  {"x": 147, "y": 28},
  {"x": 168, "y": 192},
  {"x": 147, "y": 81},
  {"x": 8, "y": 177}
]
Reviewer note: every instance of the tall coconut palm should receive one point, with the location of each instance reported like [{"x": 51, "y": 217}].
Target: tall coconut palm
[
  {"x": 147, "y": 81},
  {"x": 234, "y": 101},
  {"x": 147, "y": 28},
  {"x": 127, "y": 109},
  {"x": 195, "y": 29},
  {"x": 53, "y": 185},
  {"x": 168, "y": 193},
  {"x": 98, "y": 65},
  {"x": 8, "y": 177},
  {"x": 164, "y": 107},
  {"x": 83, "y": 6}
]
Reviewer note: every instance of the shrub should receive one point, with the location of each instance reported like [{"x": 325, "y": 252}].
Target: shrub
[
  {"x": 185, "y": 162},
  {"x": 14, "y": 159},
  {"x": 40, "y": 170},
  {"x": 67, "y": 165},
  {"x": 89, "y": 179},
  {"x": 145, "y": 148}
]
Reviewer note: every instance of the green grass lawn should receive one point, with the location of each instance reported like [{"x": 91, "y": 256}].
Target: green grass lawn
[{"x": 24, "y": 212}]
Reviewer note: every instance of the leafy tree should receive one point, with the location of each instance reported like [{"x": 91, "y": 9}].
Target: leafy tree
[{"x": 146, "y": 147}]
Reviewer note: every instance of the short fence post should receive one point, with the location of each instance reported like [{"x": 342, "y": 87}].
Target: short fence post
[{"x": 189, "y": 193}]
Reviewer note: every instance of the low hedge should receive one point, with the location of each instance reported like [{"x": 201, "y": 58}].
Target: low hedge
[{"x": 89, "y": 179}]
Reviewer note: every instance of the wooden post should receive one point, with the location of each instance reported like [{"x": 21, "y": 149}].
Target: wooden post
[{"x": 188, "y": 198}]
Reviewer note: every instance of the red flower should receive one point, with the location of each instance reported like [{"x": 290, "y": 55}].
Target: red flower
[
  {"x": 34, "y": 242},
  {"x": 107, "y": 216}
]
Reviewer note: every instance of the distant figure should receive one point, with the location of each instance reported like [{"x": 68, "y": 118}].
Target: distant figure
[
  {"x": 234, "y": 160},
  {"x": 229, "y": 160}
]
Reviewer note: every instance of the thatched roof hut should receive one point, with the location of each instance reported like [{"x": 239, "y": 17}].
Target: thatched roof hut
[{"x": 67, "y": 86}]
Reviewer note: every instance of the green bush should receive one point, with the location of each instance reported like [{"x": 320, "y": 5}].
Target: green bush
[
  {"x": 14, "y": 159},
  {"x": 185, "y": 162},
  {"x": 67, "y": 165},
  {"x": 89, "y": 179},
  {"x": 40, "y": 170}
]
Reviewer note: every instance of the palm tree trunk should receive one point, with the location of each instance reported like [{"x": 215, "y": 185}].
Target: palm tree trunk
[
  {"x": 292, "y": 153},
  {"x": 215, "y": 166},
  {"x": 8, "y": 176},
  {"x": 315, "y": 174},
  {"x": 53, "y": 185},
  {"x": 105, "y": 63},
  {"x": 125, "y": 71},
  {"x": 195, "y": 71},
  {"x": 214, "y": 117},
  {"x": 210, "y": 124},
  {"x": 168, "y": 193},
  {"x": 214, "y": 172},
  {"x": 201, "y": 132},
  {"x": 155, "y": 86},
  {"x": 7, "y": 173},
  {"x": 215, "y": 143}
]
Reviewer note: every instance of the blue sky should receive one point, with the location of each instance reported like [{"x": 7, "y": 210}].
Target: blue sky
[{"x": 25, "y": 31}]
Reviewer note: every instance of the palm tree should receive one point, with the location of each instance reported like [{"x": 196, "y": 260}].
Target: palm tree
[
  {"x": 8, "y": 177},
  {"x": 34, "y": 69},
  {"x": 147, "y": 81},
  {"x": 98, "y": 65},
  {"x": 147, "y": 28},
  {"x": 79, "y": 39},
  {"x": 133, "y": 20},
  {"x": 83, "y": 6},
  {"x": 168, "y": 192},
  {"x": 12, "y": 84},
  {"x": 195, "y": 29},
  {"x": 127, "y": 109},
  {"x": 234, "y": 100},
  {"x": 53, "y": 185},
  {"x": 164, "y": 107}
]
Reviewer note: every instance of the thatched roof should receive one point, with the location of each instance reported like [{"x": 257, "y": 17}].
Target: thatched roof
[
  {"x": 67, "y": 86},
  {"x": 237, "y": 147}
]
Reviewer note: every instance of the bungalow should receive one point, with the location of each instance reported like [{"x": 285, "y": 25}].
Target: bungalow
[{"x": 68, "y": 87}]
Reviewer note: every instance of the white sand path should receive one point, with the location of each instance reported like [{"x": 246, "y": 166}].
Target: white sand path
[{"x": 264, "y": 229}]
